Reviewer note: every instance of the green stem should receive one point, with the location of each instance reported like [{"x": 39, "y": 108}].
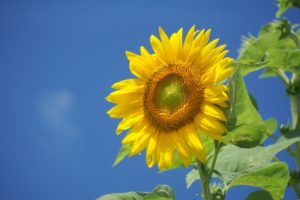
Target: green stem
[
  {"x": 296, "y": 188},
  {"x": 295, "y": 110},
  {"x": 217, "y": 148},
  {"x": 205, "y": 174},
  {"x": 297, "y": 155},
  {"x": 295, "y": 39},
  {"x": 205, "y": 180},
  {"x": 280, "y": 73}
]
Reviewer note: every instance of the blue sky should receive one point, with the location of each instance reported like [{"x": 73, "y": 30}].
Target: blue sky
[{"x": 57, "y": 62}]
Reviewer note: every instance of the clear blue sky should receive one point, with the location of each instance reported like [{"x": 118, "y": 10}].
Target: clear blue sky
[{"x": 57, "y": 62}]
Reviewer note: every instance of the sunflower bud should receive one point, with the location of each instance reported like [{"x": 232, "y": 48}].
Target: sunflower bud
[{"x": 245, "y": 140}]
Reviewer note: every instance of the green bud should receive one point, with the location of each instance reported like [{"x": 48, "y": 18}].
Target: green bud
[{"x": 245, "y": 140}]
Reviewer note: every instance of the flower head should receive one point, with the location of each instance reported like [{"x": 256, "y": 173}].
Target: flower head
[{"x": 176, "y": 91}]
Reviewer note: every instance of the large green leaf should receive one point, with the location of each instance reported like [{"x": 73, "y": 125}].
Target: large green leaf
[
  {"x": 161, "y": 192},
  {"x": 246, "y": 128},
  {"x": 272, "y": 178},
  {"x": 234, "y": 164}
]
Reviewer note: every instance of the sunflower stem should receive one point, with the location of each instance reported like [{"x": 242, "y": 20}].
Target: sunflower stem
[
  {"x": 205, "y": 180},
  {"x": 295, "y": 186},
  {"x": 280, "y": 73},
  {"x": 295, "y": 111},
  {"x": 217, "y": 148}
]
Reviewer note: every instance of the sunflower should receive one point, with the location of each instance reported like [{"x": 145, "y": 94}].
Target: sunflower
[{"x": 176, "y": 90}]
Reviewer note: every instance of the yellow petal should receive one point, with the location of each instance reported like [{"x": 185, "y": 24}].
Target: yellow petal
[
  {"x": 125, "y": 110},
  {"x": 164, "y": 37},
  {"x": 178, "y": 44},
  {"x": 154, "y": 156},
  {"x": 210, "y": 124},
  {"x": 215, "y": 136},
  {"x": 217, "y": 93},
  {"x": 194, "y": 142},
  {"x": 140, "y": 143},
  {"x": 213, "y": 111},
  {"x": 126, "y": 94},
  {"x": 139, "y": 66},
  {"x": 158, "y": 49},
  {"x": 209, "y": 48},
  {"x": 182, "y": 148},
  {"x": 224, "y": 74},
  {"x": 152, "y": 143},
  {"x": 165, "y": 152},
  {"x": 189, "y": 38},
  {"x": 134, "y": 133},
  {"x": 128, "y": 122},
  {"x": 199, "y": 38},
  {"x": 127, "y": 83}
]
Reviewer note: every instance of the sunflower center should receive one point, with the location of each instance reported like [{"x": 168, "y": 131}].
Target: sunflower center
[
  {"x": 173, "y": 96},
  {"x": 171, "y": 93}
]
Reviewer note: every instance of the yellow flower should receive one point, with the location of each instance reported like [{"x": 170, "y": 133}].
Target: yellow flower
[{"x": 176, "y": 91}]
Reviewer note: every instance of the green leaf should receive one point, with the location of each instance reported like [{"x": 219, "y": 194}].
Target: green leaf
[
  {"x": 246, "y": 68},
  {"x": 253, "y": 101},
  {"x": 268, "y": 72},
  {"x": 246, "y": 128},
  {"x": 259, "y": 194},
  {"x": 271, "y": 125},
  {"x": 257, "y": 52},
  {"x": 272, "y": 178},
  {"x": 161, "y": 192},
  {"x": 284, "y": 5},
  {"x": 285, "y": 29},
  {"x": 234, "y": 163},
  {"x": 284, "y": 58},
  {"x": 191, "y": 177},
  {"x": 123, "y": 152}
]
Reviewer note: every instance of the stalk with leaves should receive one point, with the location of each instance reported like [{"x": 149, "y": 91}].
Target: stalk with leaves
[{"x": 240, "y": 157}]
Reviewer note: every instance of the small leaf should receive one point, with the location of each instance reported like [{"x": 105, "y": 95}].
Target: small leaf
[
  {"x": 123, "y": 152},
  {"x": 259, "y": 194},
  {"x": 268, "y": 72},
  {"x": 271, "y": 125},
  {"x": 161, "y": 192},
  {"x": 284, "y": 5},
  {"x": 191, "y": 177}
]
